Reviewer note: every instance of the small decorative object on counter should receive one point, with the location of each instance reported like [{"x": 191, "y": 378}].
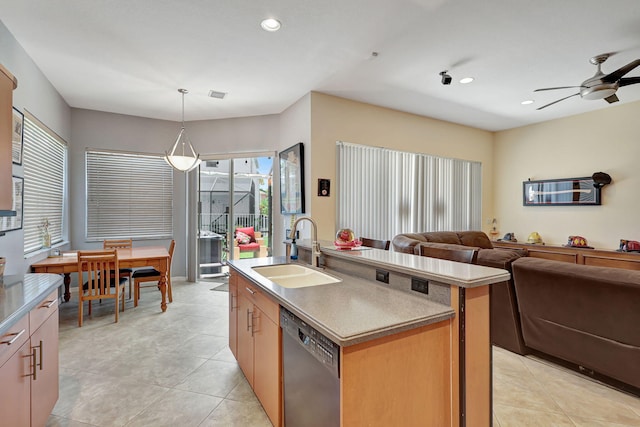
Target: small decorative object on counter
[
  {"x": 345, "y": 239},
  {"x": 46, "y": 237},
  {"x": 534, "y": 238},
  {"x": 509, "y": 237},
  {"x": 577, "y": 242},
  {"x": 3, "y": 262},
  {"x": 494, "y": 228},
  {"x": 629, "y": 246}
]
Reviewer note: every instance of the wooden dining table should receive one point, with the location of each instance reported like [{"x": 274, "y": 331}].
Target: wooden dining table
[{"x": 144, "y": 256}]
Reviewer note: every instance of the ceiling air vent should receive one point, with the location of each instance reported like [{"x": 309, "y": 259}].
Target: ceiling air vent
[{"x": 215, "y": 94}]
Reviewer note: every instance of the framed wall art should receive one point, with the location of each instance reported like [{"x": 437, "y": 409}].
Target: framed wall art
[
  {"x": 17, "y": 137},
  {"x": 9, "y": 223},
  {"x": 292, "y": 179},
  {"x": 561, "y": 192}
]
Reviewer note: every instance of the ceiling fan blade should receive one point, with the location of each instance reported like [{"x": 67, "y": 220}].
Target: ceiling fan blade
[
  {"x": 617, "y": 74},
  {"x": 554, "y": 88},
  {"x": 611, "y": 99},
  {"x": 555, "y": 102},
  {"x": 629, "y": 81}
]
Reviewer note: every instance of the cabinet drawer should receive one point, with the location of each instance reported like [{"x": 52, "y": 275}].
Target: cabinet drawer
[
  {"x": 42, "y": 311},
  {"x": 18, "y": 334},
  {"x": 269, "y": 307}
]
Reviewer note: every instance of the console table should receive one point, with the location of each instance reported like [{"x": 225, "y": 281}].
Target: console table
[{"x": 597, "y": 257}]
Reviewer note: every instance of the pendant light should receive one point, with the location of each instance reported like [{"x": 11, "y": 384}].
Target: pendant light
[{"x": 185, "y": 159}]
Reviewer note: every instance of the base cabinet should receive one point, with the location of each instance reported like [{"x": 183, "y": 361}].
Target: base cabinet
[
  {"x": 16, "y": 388},
  {"x": 257, "y": 328},
  {"x": 29, "y": 367}
]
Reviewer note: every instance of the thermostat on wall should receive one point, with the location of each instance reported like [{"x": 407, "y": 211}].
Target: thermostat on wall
[{"x": 324, "y": 187}]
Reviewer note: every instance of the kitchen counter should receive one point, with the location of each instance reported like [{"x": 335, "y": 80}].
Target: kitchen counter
[
  {"x": 351, "y": 311},
  {"x": 19, "y": 294},
  {"x": 439, "y": 270}
]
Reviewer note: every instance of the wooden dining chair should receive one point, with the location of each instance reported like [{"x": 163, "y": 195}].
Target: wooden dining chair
[
  {"x": 103, "y": 279},
  {"x": 144, "y": 275},
  {"x": 121, "y": 243},
  {"x": 468, "y": 256},
  {"x": 378, "y": 244}
]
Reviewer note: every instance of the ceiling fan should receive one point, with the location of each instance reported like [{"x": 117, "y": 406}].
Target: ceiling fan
[{"x": 600, "y": 86}]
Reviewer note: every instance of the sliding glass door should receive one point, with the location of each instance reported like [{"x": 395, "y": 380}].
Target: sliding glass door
[{"x": 234, "y": 212}]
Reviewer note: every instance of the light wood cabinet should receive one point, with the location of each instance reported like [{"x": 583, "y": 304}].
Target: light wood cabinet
[
  {"x": 29, "y": 375},
  {"x": 16, "y": 385},
  {"x": 597, "y": 257},
  {"x": 258, "y": 344},
  {"x": 7, "y": 84},
  {"x": 44, "y": 387}
]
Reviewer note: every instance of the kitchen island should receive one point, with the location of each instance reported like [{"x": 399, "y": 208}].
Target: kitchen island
[{"x": 403, "y": 354}]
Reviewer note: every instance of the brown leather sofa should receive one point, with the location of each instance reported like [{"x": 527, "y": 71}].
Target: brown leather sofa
[
  {"x": 585, "y": 315},
  {"x": 505, "y": 319}
]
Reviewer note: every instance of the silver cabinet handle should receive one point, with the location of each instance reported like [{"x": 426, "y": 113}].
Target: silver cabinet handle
[
  {"x": 16, "y": 335},
  {"x": 252, "y": 325},
  {"x": 251, "y": 291},
  {"x": 48, "y": 304},
  {"x": 41, "y": 352},
  {"x": 230, "y": 302},
  {"x": 248, "y": 313},
  {"x": 33, "y": 363}
]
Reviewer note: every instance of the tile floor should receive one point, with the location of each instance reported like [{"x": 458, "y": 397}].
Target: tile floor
[{"x": 175, "y": 369}]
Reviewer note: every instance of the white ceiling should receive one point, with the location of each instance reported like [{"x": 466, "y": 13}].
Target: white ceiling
[{"x": 130, "y": 57}]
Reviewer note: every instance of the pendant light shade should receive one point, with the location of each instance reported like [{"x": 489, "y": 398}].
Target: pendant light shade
[{"x": 182, "y": 156}]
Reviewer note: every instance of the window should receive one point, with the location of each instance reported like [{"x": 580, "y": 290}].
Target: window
[
  {"x": 45, "y": 155},
  {"x": 385, "y": 192},
  {"x": 128, "y": 195}
]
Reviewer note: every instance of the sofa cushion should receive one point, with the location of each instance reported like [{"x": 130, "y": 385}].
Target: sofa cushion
[
  {"x": 474, "y": 238},
  {"x": 498, "y": 258},
  {"x": 442, "y": 237}
]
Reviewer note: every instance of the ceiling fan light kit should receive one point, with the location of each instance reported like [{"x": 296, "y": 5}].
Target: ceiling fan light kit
[{"x": 600, "y": 86}]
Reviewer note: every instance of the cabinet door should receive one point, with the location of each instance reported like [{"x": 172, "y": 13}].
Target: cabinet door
[
  {"x": 267, "y": 372},
  {"x": 233, "y": 314},
  {"x": 44, "y": 389},
  {"x": 14, "y": 392},
  {"x": 245, "y": 338}
]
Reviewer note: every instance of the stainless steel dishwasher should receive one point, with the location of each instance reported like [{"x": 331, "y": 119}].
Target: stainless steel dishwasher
[{"x": 311, "y": 374}]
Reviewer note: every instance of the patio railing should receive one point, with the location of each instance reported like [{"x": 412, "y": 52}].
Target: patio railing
[{"x": 219, "y": 223}]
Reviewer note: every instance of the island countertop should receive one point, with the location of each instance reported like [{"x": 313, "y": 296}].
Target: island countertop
[
  {"x": 349, "y": 312},
  {"x": 19, "y": 294},
  {"x": 440, "y": 270}
]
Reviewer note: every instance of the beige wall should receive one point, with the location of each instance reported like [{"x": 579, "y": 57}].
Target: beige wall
[
  {"x": 606, "y": 140},
  {"x": 337, "y": 119}
]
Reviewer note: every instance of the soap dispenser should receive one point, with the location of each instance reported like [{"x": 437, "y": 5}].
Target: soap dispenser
[{"x": 294, "y": 250}]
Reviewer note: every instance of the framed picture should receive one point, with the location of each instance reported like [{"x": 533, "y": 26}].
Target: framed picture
[
  {"x": 292, "y": 179},
  {"x": 560, "y": 192},
  {"x": 9, "y": 223},
  {"x": 17, "y": 137}
]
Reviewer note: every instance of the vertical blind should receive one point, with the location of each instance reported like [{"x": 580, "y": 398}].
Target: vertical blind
[
  {"x": 385, "y": 192},
  {"x": 128, "y": 195},
  {"x": 44, "y": 160}
]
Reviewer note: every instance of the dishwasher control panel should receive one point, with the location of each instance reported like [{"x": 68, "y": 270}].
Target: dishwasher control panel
[{"x": 322, "y": 348}]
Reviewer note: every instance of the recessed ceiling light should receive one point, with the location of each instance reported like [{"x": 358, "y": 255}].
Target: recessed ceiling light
[
  {"x": 466, "y": 80},
  {"x": 527, "y": 102},
  {"x": 270, "y": 24}
]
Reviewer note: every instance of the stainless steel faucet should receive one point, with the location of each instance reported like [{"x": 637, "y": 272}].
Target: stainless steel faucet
[{"x": 315, "y": 246}]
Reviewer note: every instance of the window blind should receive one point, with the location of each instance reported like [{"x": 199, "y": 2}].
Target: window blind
[
  {"x": 44, "y": 160},
  {"x": 128, "y": 195},
  {"x": 382, "y": 192}
]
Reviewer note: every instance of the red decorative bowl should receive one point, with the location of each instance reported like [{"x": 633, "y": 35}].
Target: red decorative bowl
[{"x": 341, "y": 244}]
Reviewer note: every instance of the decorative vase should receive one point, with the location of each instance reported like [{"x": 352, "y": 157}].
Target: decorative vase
[{"x": 46, "y": 240}]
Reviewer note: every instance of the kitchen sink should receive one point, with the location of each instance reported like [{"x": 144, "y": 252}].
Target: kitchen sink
[{"x": 295, "y": 276}]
